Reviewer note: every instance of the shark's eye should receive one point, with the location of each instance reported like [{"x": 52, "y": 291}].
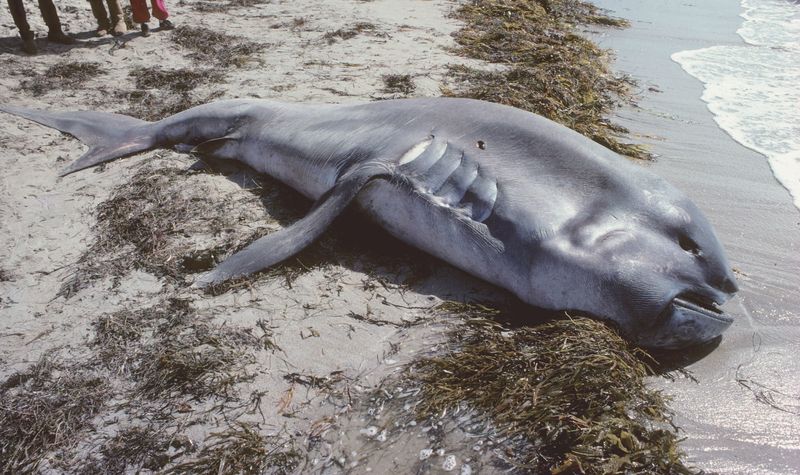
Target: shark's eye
[{"x": 688, "y": 245}]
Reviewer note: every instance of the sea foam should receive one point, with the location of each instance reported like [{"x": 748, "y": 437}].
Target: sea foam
[{"x": 753, "y": 89}]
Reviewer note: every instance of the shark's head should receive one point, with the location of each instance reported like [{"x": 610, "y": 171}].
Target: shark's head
[{"x": 654, "y": 267}]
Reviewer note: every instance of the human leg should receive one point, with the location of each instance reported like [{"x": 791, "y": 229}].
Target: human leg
[
  {"x": 20, "y": 19},
  {"x": 50, "y": 15},
  {"x": 141, "y": 14},
  {"x": 159, "y": 9},
  {"x": 117, "y": 18},
  {"x": 101, "y": 15}
]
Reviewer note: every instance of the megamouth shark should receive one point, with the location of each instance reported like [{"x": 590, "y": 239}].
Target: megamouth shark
[{"x": 506, "y": 195}]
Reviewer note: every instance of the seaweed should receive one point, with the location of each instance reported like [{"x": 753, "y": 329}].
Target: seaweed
[
  {"x": 162, "y": 357},
  {"x": 152, "y": 223},
  {"x": 246, "y": 3},
  {"x": 546, "y": 67},
  {"x": 202, "y": 361},
  {"x": 398, "y": 84},
  {"x": 45, "y": 408},
  {"x": 221, "y": 7},
  {"x": 220, "y": 49},
  {"x": 175, "y": 80},
  {"x": 169, "y": 350},
  {"x": 62, "y": 75},
  {"x": 349, "y": 32},
  {"x": 153, "y": 106},
  {"x": 769, "y": 396},
  {"x": 566, "y": 396},
  {"x": 139, "y": 447},
  {"x": 119, "y": 336},
  {"x": 163, "y": 92},
  {"x": 243, "y": 449}
]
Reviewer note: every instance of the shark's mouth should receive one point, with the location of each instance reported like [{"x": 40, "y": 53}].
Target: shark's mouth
[
  {"x": 690, "y": 318},
  {"x": 701, "y": 304}
]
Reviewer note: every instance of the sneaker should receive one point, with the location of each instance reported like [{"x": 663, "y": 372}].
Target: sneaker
[
  {"x": 29, "y": 46},
  {"x": 166, "y": 25},
  {"x": 119, "y": 28},
  {"x": 60, "y": 37},
  {"x": 145, "y": 29}
]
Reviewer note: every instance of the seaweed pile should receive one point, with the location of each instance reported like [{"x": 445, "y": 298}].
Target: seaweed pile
[
  {"x": 62, "y": 75},
  {"x": 221, "y": 7},
  {"x": 242, "y": 449},
  {"x": 44, "y": 408},
  {"x": 569, "y": 393},
  {"x": 219, "y": 49},
  {"x": 158, "y": 370},
  {"x": 401, "y": 84},
  {"x": 153, "y": 224},
  {"x": 564, "y": 396},
  {"x": 163, "y": 92},
  {"x": 546, "y": 67},
  {"x": 350, "y": 32}
]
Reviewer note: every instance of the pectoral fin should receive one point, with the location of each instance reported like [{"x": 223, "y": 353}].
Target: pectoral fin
[{"x": 280, "y": 245}]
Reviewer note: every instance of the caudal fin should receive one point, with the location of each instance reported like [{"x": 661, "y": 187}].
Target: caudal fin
[{"x": 109, "y": 136}]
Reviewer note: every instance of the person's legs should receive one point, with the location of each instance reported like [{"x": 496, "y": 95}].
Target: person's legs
[
  {"x": 18, "y": 14},
  {"x": 101, "y": 15},
  {"x": 50, "y": 15},
  {"x": 117, "y": 17},
  {"x": 159, "y": 9},
  {"x": 141, "y": 14},
  {"x": 20, "y": 19}
]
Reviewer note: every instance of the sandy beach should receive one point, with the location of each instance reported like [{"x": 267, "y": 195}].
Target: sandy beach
[{"x": 296, "y": 348}]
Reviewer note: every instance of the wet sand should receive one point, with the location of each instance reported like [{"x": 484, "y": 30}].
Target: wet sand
[{"x": 743, "y": 413}]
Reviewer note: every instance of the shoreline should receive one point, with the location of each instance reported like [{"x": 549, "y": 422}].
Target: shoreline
[{"x": 726, "y": 427}]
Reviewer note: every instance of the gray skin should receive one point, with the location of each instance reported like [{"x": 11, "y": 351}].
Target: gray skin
[{"x": 513, "y": 198}]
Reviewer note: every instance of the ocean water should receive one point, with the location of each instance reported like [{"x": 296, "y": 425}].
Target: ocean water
[{"x": 753, "y": 89}]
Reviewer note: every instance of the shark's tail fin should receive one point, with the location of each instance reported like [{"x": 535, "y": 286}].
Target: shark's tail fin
[{"x": 109, "y": 136}]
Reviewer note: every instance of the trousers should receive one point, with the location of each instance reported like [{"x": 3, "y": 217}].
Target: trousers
[
  {"x": 141, "y": 14},
  {"x": 49, "y": 13},
  {"x": 102, "y": 16}
]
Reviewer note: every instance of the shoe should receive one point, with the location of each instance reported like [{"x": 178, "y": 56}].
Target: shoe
[
  {"x": 29, "y": 46},
  {"x": 145, "y": 29},
  {"x": 166, "y": 25},
  {"x": 119, "y": 28},
  {"x": 60, "y": 37},
  {"x": 102, "y": 27}
]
